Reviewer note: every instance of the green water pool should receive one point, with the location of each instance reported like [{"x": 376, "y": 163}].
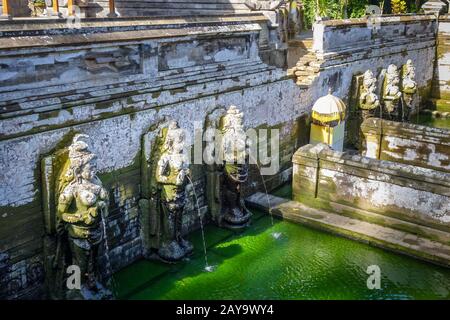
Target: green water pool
[
  {"x": 301, "y": 264},
  {"x": 428, "y": 120}
]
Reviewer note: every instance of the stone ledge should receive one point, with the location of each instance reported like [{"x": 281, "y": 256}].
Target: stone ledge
[
  {"x": 384, "y": 20},
  {"x": 21, "y": 25},
  {"x": 17, "y": 42},
  {"x": 407, "y": 130},
  {"x": 400, "y": 170},
  {"x": 380, "y": 236}
]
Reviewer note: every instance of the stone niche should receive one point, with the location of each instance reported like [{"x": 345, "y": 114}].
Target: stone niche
[
  {"x": 407, "y": 143},
  {"x": 330, "y": 179},
  {"x": 72, "y": 190},
  {"x": 150, "y": 220}
]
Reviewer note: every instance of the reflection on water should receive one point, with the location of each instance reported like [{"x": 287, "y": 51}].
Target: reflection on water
[{"x": 303, "y": 264}]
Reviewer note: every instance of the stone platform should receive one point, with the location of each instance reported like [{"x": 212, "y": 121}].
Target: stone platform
[{"x": 377, "y": 230}]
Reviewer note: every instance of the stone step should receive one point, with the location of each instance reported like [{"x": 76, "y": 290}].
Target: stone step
[{"x": 399, "y": 241}]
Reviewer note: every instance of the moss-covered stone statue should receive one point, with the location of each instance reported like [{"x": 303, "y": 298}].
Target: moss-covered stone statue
[
  {"x": 368, "y": 100},
  {"x": 409, "y": 89},
  {"x": 82, "y": 204},
  {"x": 230, "y": 168},
  {"x": 391, "y": 93},
  {"x": 172, "y": 176}
]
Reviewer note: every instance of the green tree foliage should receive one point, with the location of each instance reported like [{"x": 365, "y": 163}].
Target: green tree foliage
[{"x": 340, "y": 9}]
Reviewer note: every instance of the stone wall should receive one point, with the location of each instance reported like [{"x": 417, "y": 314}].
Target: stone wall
[
  {"x": 407, "y": 143},
  {"x": 441, "y": 83},
  {"x": 322, "y": 177},
  {"x": 136, "y": 8},
  {"x": 345, "y": 48},
  {"x": 113, "y": 80},
  {"x": 19, "y": 8}
]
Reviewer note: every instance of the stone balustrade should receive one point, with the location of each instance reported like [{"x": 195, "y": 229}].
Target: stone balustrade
[{"x": 323, "y": 177}]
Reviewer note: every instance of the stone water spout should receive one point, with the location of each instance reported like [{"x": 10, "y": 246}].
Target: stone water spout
[
  {"x": 230, "y": 170},
  {"x": 391, "y": 93},
  {"x": 172, "y": 176},
  {"x": 81, "y": 207},
  {"x": 409, "y": 89},
  {"x": 368, "y": 100}
]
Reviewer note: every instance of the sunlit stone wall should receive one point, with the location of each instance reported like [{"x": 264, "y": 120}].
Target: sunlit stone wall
[
  {"x": 323, "y": 177},
  {"x": 407, "y": 143},
  {"x": 344, "y": 48},
  {"x": 441, "y": 83},
  {"x": 127, "y": 8}
]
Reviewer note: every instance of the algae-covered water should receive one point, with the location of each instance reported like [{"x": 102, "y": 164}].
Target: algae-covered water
[
  {"x": 430, "y": 121},
  {"x": 301, "y": 264}
]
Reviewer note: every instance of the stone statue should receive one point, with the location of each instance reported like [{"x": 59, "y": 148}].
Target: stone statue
[
  {"x": 391, "y": 93},
  {"x": 171, "y": 176},
  {"x": 368, "y": 100},
  {"x": 234, "y": 148},
  {"x": 409, "y": 88},
  {"x": 38, "y": 8},
  {"x": 81, "y": 208}
]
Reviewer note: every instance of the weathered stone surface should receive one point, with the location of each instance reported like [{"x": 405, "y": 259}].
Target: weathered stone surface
[
  {"x": 115, "y": 84},
  {"x": 345, "y": 48},
  {"x": 410, "y": 193},
  {"x": 441, "y": 80},
  {"x": 407, "y": 143}
]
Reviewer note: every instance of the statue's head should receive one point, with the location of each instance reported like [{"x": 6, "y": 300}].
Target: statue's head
[
  {"x": 392, "y": 74},
  {"x": 83, "y": 163},
  {"x": 369, "y": 80},
  {"x": 175, "y": 138},
  {"x": 233, "y": 118},
  {"x": 410, "y": 69}
]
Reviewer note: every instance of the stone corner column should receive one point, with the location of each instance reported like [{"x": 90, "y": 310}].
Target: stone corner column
[
  {"x": 305, "y": 172},
  {"x": 6, "y": 10},
  {"x": 372, "y": 133}
]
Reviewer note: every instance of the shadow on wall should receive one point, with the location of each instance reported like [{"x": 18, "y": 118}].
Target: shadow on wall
[{"x": 19, "y": 8}]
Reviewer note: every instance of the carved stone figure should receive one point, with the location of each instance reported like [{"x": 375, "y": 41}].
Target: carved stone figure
[
  {"x": 230, "y": 171},
  {"x": 38, "y": 8},
  {"x": 368, "y": 100},
  {"x": 391, "y": 93},
  {"x": 81, "y": 207},
  {"x": 172, "y": 175},
  {"x": 409, "y": 88}
]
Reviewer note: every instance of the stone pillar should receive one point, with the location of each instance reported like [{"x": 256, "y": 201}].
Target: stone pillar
[
  {"x": 372, "y": 131},
  {"x": 435, "y": 6},
  {"x": 70, "y": 8},
  {"x": 55, "y": 9},
  {"x": 6, "y": 9},
  {"x": 305, "y": 175},
  {"x": 112, "y": 9}
]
